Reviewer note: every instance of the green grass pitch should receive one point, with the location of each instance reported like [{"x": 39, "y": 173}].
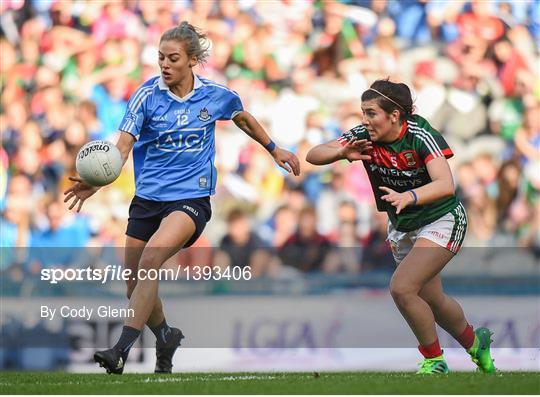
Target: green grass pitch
[{"x": 270, "y": 383}]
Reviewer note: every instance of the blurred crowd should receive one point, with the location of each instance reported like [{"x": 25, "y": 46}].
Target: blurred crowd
[{"x": 68, "y": 68}]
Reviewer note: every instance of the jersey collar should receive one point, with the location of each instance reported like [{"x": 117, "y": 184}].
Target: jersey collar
[
  {"x": 403, "y": 130},
  {"x": 197, "y": 83}
]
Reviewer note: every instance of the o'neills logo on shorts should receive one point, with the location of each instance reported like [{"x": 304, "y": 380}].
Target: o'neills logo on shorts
[
  {"x": 436, "y": 234},
  {"x": 191, "y": 209},
  {"x": 102, "y": 147}
]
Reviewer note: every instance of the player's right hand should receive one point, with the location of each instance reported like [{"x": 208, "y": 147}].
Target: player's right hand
[
  {"x": 355, "y": 150},
  {"x": 80, "y": 191},
  {"x": 286, "y": 160}
]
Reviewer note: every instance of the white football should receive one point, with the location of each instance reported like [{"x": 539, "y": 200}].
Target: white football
[{"x": 99, "y": 163}]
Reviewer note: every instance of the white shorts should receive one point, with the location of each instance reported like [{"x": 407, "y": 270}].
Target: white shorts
[{"x": 448, "y": 231}]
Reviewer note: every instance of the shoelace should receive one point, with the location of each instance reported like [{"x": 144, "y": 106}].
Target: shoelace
[{"x": 427, "y": 363}]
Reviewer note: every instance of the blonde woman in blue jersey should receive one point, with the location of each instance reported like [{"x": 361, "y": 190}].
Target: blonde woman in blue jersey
[
  {"x": 169, "y": 123},
  {"x": 406, "y": 160}
]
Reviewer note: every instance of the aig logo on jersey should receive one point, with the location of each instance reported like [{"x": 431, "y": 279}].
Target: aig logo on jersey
[
  {"x": 183, "y": 140},
  {"x": 203, "y": 115}
]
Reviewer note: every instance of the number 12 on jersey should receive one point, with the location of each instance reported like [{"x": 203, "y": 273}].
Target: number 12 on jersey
[{"x": 182, "y": 119}]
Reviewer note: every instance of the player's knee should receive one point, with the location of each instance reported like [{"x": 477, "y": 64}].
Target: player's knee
[
  {"x": 150, "y": 259},
  {"x": 401, "y": 292}
]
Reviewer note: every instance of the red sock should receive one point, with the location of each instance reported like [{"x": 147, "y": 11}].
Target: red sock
[
  {"x": 431, "y": 351},
  {"x": 466, "y": 339}
]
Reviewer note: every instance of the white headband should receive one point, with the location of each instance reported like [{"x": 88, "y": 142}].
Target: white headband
[{"x": 390, "y": 99}]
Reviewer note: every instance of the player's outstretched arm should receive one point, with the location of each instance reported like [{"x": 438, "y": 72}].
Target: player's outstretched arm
[
  {"x": 333, "y": 151},
  {"x": 81, "y": 190},
  {"x": 285, "y": 159}
]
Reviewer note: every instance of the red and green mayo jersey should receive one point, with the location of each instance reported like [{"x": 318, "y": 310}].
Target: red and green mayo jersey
[{"x": 401, "y": 166}]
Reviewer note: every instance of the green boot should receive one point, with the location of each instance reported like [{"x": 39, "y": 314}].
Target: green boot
[
  {"x": 479, "y": 351},
  {"x": 435, "y": 365}
]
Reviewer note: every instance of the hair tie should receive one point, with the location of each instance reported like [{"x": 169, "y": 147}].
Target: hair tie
[{"x": 415, "y": 197}]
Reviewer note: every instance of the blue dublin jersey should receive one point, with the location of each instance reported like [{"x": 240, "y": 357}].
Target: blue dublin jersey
[{"x": 175, "y": 148}]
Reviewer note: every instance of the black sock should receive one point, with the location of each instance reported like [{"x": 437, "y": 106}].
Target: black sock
[
  {"x": 162, "y": 332},
  {"x": 127, "y": 339}
]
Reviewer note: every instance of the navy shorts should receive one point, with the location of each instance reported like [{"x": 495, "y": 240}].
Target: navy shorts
[{"x": 145, "y": 216}]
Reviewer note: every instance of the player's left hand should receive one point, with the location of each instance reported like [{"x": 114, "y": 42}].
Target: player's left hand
[
  {"x": 286, "y": 160},
  {"x": 398, "y": 200}
]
